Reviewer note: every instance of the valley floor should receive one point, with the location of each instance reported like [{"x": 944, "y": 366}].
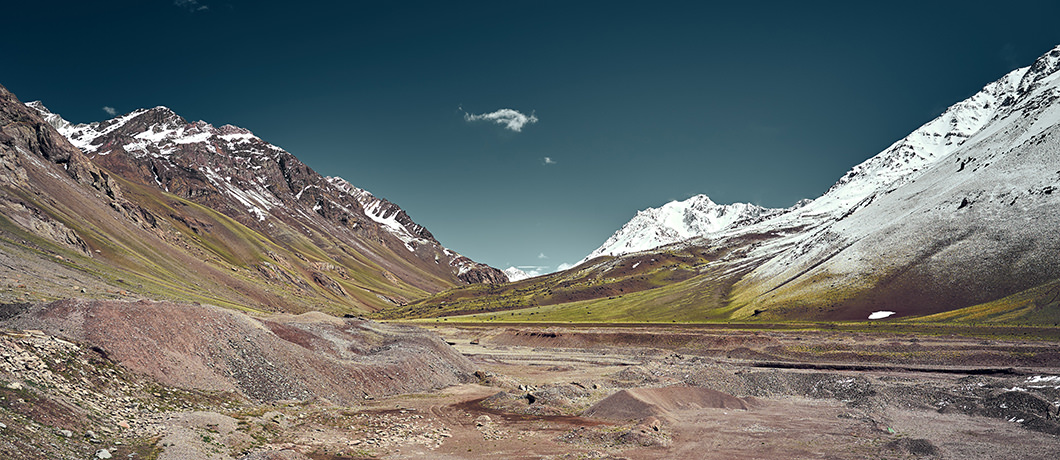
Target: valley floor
[{"x": 652, "y": 393}]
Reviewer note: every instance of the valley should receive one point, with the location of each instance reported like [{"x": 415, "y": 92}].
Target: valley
[
  {"x": 175, "y": 290},
  {"x": 634, "y": 392}
]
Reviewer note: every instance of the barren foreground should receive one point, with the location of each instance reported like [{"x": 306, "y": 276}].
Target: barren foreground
[{"x": 601, "y": 392}]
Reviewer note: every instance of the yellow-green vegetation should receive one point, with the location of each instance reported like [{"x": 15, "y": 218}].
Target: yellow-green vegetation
[
  {"x": 186, "y": 251},
  {"x": 684, "y": 282},
  {"x": 1038, "y": 306},
  {"x": 689, "y": 301}
]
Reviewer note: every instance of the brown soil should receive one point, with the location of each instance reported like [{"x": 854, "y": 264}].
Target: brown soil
[
  {"x": 641, "y": 403},
  {"x": 613, "y": 392},
  {"x": 283, "y": 357}
]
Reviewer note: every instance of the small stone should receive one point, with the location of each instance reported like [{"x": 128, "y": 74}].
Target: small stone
[
  {"x": 103, "y": 454},
  {"x": 66, "y": 433},
  {"x": 14, "y": 386},
  {"x": 90, "y": 434}
]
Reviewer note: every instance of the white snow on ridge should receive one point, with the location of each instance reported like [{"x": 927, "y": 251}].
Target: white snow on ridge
[
  {"x": 374, "y": 212},
  {"x": 373, "y": 208},
  {"x": 516, "y": 274},
  {"x": 960, "y": 126},
  {"x": 920, "y": 149},
  {"x": 677, "y": 221}
]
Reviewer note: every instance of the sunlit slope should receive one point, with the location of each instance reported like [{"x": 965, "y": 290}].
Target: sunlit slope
[
  {"x": 72, "y": 228},
  {"x": 963, "y": 213}
]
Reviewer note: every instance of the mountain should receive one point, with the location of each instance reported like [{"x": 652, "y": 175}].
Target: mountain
[
  {"x": 956, "y": 221},
  {"x": 678, "y": 221},
  {"x": 700, "y": 217},
  {"x": 959, "y": 213},
  {"x": 515, "y": 274},
  {"x": 150, "y": 205}
]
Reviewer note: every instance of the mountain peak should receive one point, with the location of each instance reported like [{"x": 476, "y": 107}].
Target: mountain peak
[
  {"x": 50, "y": 117},
  {"x": 677, "y": 221},
  {"x": 1044, "y": 69},
  {"x": 516, "y": 274},
  {"x": 38, "y": 106}
]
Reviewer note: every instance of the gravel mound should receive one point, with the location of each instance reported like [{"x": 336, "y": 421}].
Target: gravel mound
[
  {"x": 310, "y": 356},
  {"x": 640, "y": 403}
]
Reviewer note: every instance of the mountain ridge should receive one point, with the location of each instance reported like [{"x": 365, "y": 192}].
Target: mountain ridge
[
  {"x": 169, "y": 210},
  {"x": 677, "y": 221},
  {"x": 278, "y": 186},
  {"x": 958, "y": 214}
]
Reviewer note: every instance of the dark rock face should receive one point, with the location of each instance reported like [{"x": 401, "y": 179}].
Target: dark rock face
[{"x": 477, "y": 273}]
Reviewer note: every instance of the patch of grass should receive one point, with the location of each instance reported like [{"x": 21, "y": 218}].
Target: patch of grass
[{"x": 1038, "y": 306}]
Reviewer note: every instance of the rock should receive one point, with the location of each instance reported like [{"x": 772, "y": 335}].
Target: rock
[
  {"x": 103, "y": 454},
  {"x": 483, "y": 420},
  {"x": 65, "y": 433},
  {"x": 14, "y": 386}
]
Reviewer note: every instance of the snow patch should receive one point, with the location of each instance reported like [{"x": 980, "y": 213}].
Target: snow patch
[{"x": 880, "y": 314}]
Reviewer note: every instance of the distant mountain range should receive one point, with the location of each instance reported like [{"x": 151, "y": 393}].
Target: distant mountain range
[
  {"x": 956, "y": 221},
  {"x": 150, "y": 205}
]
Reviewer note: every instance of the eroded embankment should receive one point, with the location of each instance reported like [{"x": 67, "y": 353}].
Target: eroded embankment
[{"x": 266, "y": 359}]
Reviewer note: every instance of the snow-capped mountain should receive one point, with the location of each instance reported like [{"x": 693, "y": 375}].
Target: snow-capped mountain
[
  {"x": 264, "y": 187},
  {"x": 962, "y": 211},
  {"x": 678, "y": 221},
  {"x": 698, "y": 217},
  {"x": 516, "y": 274}
]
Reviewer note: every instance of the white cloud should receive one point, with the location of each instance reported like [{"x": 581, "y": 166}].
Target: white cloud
[
  {"x": 564, "y": 266},
  {"x": 512, "y": 120},
  {"x": 542, "y": 256},
  {"x": 549, "y": 161},
  {"x": 190, "y": 5},
  {"x": 110, "y": 110}
]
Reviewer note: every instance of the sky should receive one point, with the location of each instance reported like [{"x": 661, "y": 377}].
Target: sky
[{"x": 526, "y": 133}]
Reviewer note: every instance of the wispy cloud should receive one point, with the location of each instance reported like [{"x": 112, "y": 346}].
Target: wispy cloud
[
  {"x": 542, "y": 256},
  {"x": 110, "y": 110},
  {"x": 564, "y": 266},
  {"x": 190, "y": 5},
  {"x": 513, "y": 120},
  {"x": 549, "y": 161}
]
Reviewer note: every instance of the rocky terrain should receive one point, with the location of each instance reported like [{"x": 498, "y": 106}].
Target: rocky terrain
[
  {"x": 175, "y": 290},
  {"x": 131, "y": 390}
]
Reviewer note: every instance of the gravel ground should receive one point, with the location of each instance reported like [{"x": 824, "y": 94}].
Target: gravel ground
[{"x": 65, "y": 392}]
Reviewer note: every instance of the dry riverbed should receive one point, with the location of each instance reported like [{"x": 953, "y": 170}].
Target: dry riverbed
[{"x": 569, "y": 392}]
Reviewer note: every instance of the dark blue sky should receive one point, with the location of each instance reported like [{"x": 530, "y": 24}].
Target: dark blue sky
[{"x": 637, "y": 103}]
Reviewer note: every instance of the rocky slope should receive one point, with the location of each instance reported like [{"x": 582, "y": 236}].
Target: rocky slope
[
  {"x": 114, "y": 379},
  {"x": 282, "y": 357},
  {"x": 156, "y": 207},
  {"x": 254, "y": 182},
  {"x": 959, "y": 216},
  {"x": 960, "y": 213}
]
